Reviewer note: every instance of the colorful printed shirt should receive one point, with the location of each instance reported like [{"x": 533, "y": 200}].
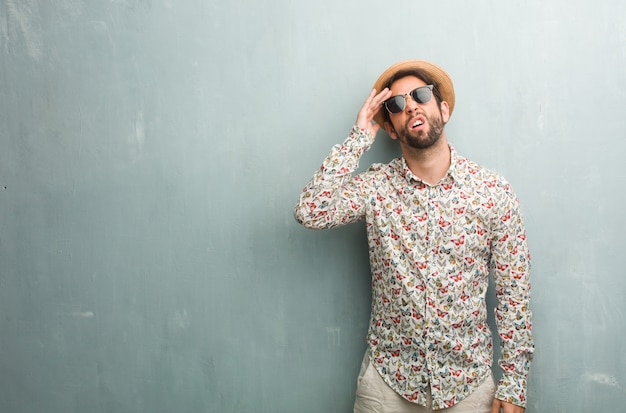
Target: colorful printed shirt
[{"x": 431, "y": 250}]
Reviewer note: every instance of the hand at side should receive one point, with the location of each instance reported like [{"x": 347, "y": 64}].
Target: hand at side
[{"x": 500, "y": 406}]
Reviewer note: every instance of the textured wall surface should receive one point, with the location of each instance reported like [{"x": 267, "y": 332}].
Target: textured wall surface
[{"x": 151, "y": 152}]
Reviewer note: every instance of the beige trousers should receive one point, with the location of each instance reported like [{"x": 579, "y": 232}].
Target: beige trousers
[{"x": 373, "y": 395}]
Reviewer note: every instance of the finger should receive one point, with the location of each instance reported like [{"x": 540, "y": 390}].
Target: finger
[
  {"x": 371, "y": 106},
  {"x": 495, "y": 406},
  {"x": 376, "y": 99},
  {"x": 376, "y": 103}
]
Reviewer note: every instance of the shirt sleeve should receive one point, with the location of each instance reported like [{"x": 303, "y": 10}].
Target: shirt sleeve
[
  {"x": 333, "y": 196},
  {"x": 511, "y": 270}
]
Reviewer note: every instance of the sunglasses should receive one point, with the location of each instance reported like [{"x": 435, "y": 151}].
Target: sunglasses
[{"x": 396, "y": 104}]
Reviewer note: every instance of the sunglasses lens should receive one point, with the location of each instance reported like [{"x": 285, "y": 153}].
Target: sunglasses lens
[
  {"x": 422, "y": 94},
  {"x": 395, "y": 104}
]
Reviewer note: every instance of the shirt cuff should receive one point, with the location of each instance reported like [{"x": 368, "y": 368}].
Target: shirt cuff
[
  {"x": 512, "y": 390},
  {"x": 362, "y": 135}
]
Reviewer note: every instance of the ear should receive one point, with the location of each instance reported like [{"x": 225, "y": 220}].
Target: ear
[
  {"x": 445, "y": 111},
  {"x": 390, "y": 130}
]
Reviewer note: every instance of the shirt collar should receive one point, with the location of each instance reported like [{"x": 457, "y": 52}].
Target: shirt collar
[{"x": 451, "y": 175}]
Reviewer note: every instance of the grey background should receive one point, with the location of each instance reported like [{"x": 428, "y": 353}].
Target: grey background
[{"x": 151, "y": 153}]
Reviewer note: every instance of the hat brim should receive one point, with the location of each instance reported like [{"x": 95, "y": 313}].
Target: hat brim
[{"x": 439, "y": 77}]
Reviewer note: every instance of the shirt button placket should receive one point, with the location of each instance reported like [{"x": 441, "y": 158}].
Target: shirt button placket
[{"x": 431, "y": 288}]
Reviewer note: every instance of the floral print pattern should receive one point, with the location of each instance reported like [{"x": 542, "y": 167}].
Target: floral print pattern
[{"x": 431, "y": 250}]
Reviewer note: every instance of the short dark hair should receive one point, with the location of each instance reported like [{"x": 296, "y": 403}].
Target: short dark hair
[{"x": 420, "y": 74}]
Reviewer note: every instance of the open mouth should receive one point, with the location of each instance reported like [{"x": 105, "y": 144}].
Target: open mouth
[{"x": 417, "y": 122}]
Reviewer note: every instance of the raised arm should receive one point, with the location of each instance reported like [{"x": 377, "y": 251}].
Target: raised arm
[{"x": 333, "y": 196}]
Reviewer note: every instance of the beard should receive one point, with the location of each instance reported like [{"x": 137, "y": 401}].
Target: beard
[{"x": 424, "y": 138}]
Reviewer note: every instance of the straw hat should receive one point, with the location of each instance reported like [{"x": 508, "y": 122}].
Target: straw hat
[{"x": 439, "y": 77}]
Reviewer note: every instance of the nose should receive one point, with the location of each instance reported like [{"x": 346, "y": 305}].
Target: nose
[{"x": 409, "y": 103}]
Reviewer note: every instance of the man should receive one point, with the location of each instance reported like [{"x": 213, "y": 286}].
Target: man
[{"x": 437, "y": 224}]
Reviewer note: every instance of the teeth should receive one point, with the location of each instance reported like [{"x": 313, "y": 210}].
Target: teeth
[{"x": 417, "y": 123}]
